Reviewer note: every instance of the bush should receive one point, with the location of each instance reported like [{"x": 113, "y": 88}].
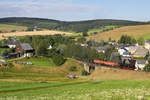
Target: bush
[
  {"x": 5, "y": 53},
  {"x": 84, "y": 34},
  {"x": 73, "y": 68},
  {"x": 85, "y": 73},
  {"x": 147, "y": 68},
  {"x": 10, "y": 65},
  {"x": 58, "y": 60}
]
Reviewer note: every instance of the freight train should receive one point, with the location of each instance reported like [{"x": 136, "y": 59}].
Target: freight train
[{"x": 130, "y": 66}]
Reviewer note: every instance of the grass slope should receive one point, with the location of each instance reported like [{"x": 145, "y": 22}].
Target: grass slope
[
  {"x": 134, "y": 31},
  {"x": 40, "y": 71},
  {"x": 8, "y": 28}
]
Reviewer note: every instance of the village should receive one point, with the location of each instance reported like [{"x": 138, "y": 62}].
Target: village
[{"x": 110, "y": 54}]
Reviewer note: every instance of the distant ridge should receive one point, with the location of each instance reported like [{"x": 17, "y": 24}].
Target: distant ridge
[{"x": 74, "y": 26}]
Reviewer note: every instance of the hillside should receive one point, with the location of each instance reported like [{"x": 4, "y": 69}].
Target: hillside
[
  {"x": 43, "y": 69},
  {"x": 5, "y": 28},
  {"x": 76, "y": 26},
  {"x": 134, "y": 31}
]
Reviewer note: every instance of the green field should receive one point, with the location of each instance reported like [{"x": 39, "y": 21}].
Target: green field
[
  {"x": 84, "y": 90},
  {"x": 146, "y": 36},
  {"x": 42, "y": 70},
  {"x": 105, "y": 28},
  {"x": 40, "y": 61},
  {"x": 8, "y": 28}
]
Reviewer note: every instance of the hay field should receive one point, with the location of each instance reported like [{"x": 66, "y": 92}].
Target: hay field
[
  {"x": 8, "y": 28},
  {"x": 134, "y": 31},
  {"x": 5, "y": 35}
]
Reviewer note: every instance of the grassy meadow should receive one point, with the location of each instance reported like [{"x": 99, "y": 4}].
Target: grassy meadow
[
  {"x": 50, "y": 82},
  {"x": 134, "y": 31},
  {"x": 83, "y": 90},
  {"x": 105, "y": 28},
  {"x": 39, "y": 71},
  {"x": 40, "y": 61},
  {"x": 146, "y": 36}
]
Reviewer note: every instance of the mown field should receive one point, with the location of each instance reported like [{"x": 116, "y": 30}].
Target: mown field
[
  {"x": 134, "y": 31},
  {"x": 83, "y": 90},
  {"x": 102, "y": 29},
  {"x": 47, "y": 32},
  {"x": 43, "y": 62},
  {"x": 8, "y": 28}
]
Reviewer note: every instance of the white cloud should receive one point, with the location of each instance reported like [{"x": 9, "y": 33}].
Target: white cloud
[{"x": 46, "y": 8}]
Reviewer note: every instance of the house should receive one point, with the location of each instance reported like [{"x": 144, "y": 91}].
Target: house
[
  {"x": 12, "y": 43},
  {"x": 102, "y": 49},
  {"x": 112, "y": 42},
  {"x": 49, "y": 47},
  {"x": 126, "y": 54},
  {"x": 122, "y": 51},
  {"x": 84, "y": 44},
  {"x": 140, "y": 64},
  {"x": 147, "y": 44},
  {"x": 131, "y": 49},
  {"x": 25, "y": 49},
  {"x": 141, "y": 52}
]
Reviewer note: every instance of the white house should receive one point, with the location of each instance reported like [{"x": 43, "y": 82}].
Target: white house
[
  {"x": 140, "y": 64},
  {"x": 50, "y": 47},
  {"x": 122, "y": 50},
  {"x": 147, "y": 44},
  {"x": 132, "y": 49}
]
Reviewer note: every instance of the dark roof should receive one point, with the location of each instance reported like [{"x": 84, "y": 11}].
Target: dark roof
[
  {"x": 12, "y": 42},
  {"x": 26, "y": 46}
]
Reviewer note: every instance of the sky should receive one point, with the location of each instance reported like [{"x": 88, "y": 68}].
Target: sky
[{"x": 76, "y": 10}]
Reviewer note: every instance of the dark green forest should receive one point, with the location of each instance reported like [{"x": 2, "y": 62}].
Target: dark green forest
[{"x": 74, "y": 26}]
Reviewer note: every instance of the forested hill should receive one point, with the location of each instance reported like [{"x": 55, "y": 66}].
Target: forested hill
[{"x": 75, "y": 26}]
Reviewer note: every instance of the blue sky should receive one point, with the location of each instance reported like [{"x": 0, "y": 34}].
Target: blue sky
[{"x": 72, "y": 10}]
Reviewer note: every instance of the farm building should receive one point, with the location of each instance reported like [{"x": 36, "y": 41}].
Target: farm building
[{"x": 25, "y": 49}]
